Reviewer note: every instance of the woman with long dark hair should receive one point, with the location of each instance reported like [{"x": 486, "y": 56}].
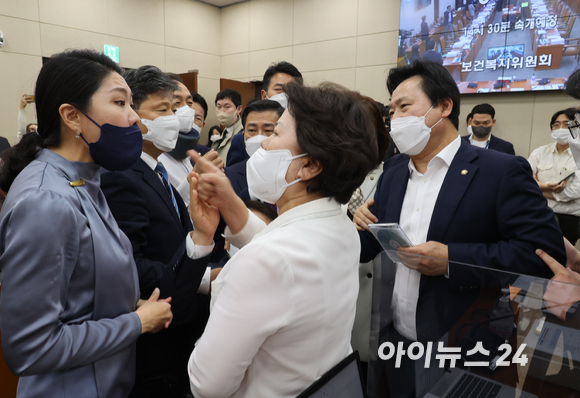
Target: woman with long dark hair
[{"x": 69, "y": 303}]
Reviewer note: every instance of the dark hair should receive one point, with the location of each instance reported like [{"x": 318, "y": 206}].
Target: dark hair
[
  {"x": 260, "y": 207},
  {"x": 70, "y": 77},
  {"x": 27, "y": 130},
  {"x": 384, "y": 109},
  {"x": 430, "y": 44},
  {"x": 209, "y": 134},
  {"x": 469, "y": 116},
  {"x": 281, "y": 67},
  {"x": 483, "y": 109},
  {"x": 176, "y": 77},
  {"x": 200, "y": 100},
  {"x": 436, "y": 83},
  {"x": 573, "y": 85},
  {"x": 341, "y": 130},
  {"x": 261, "y": 106},
  {"x": 230, "y": 94},
  {"x": 146, "y": 80},
  {"x": 570, "y": 112}
]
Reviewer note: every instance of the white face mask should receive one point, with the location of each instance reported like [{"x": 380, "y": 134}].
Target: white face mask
[
  {"x": 227, "y": 119},
  {"x": 469, "y": 130},
  {"x": 186, "y": 115},
  {"x": 215, "y": 138},
  {"x": 561, "y": 136},
  {"x": 280, "y": 98},
  {"x": 266, "y": 173},
  {"x": 411, "y": 134},
  {"x": 197, "y": 128},
  {"x": 162, "y": 132},
  {"x": 254, "y": 143}
]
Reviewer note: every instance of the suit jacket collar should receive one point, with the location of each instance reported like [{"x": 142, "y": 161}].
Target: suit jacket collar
[
  {"x": 458, "y": 178},
  {"x": 151, "y": 178}
]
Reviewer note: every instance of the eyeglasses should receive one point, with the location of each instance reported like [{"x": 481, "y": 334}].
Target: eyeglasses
[
  {"x": 574, "y": 126},
  {"x": 557, "y": 125}
]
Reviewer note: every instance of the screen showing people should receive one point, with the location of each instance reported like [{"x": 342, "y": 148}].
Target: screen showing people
[{"x": 494, "y": 45}]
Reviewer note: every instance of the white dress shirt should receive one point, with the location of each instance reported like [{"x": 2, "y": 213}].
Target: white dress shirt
[
  {"x": 286, "y": 306},
  {"x": 193, "y": 251},
  {"x": 418, "y": 204},
  {"x": 178, "y": 170},
  {"x": 550, "y": 166}
]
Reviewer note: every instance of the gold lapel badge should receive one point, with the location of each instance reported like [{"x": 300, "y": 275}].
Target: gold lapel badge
[
  {"x": 78, "y": 183},
  {"x": 464, "y": 172}
]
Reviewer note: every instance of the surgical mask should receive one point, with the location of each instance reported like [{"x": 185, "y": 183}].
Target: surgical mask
[
  {"x": 411, "y": 134},
  {"x": 227, "y": 119},
  {"x": 162, "y": 132},
  {"x": 469, "y": 130},
  {"x": 561, "y": 136},
  {"x": 254, "y": 143},
  {"x": 118, "y": 148},
  {"x": 266, "y": 173},
  {"x": 481, "y": 131},
  {"x": 280, "y": 98},
  {"x": 186, "y": 116},
  {"x": 215, "y": 138}
]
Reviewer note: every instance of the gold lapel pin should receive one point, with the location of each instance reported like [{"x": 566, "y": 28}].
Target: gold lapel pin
[
  {"x": 464, "y": 172},
  {"x": 78, "y": 183}
]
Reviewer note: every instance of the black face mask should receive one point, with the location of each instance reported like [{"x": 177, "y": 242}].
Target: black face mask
[
  {"x": 185, "y": 142},
  {"x": 480, "y": 131}
]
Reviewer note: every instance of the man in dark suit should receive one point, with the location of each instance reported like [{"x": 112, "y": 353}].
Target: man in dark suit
[
  {"x": 259, "y": 119},
  {"x": 153, "y": 216},
  {"x": 448, "y": 21},
  {"x": 424, "y": 28},
  {"x": 482, "y": 122},
  {"x": 457, "y": 204},
  {"x": 438, "y": 189},
  {"x": 431, "y": 54},
  {"x": 200, "y": 106}
]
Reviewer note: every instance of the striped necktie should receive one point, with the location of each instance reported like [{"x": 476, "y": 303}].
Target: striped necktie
[{"x": 165, "y": 178}]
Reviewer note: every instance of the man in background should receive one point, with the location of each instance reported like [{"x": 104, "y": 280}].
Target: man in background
[
  {"x": 482, "y": 122},
  {"x": 228, "y": 105},
  {"x": 275, "y": 79}
]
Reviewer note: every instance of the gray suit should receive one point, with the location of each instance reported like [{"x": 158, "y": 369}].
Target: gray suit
[{"x": 69, "y": 285}]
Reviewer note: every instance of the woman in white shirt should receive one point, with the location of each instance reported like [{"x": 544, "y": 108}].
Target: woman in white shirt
[
  {"x": 286, "y": 306},
  {"x": 556, "y": 173}
]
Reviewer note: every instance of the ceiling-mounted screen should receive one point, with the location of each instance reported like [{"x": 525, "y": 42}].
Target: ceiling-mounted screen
[{"x": 493, "y": 46}]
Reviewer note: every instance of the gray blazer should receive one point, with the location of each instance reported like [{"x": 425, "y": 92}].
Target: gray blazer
[{"x": 69, "y": 285}]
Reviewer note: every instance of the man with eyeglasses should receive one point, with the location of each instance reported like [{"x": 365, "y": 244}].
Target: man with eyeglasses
[{"x": 482, "y": 122}]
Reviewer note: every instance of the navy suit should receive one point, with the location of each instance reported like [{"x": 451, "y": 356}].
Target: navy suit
[
  {"x": 145, "y": 213},
  {"x": 432, "y": 55},
  {"x": 237, "y": 152},
  {"x": 489, "y": 211},
  {"x": 497, "y": 144},
  {"x": 201, "y": 149},
  {"x": 238, "y": 179}
]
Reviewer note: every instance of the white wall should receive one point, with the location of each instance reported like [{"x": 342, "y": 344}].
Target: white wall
[
  {"x": 175, "y": 35},
  {"x": 351, "y": 42}
]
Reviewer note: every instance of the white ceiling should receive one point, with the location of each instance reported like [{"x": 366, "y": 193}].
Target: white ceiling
[{"x": 222, "y": 3}]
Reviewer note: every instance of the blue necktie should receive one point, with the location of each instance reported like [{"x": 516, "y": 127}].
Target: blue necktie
[{"x": 165, "y": 178}]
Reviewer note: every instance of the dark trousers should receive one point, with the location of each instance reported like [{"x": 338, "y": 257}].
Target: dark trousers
[{"x": 570, "y": 227}]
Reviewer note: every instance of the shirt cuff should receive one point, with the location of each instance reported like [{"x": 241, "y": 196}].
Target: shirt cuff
[
  {"x": 196, "y": 251},
  {"x": 205, "y": 281}
]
